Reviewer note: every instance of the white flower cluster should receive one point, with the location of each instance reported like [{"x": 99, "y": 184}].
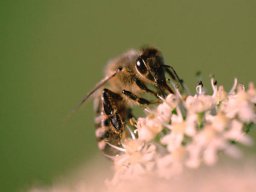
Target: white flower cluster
[{"x": 186, "y": 132}]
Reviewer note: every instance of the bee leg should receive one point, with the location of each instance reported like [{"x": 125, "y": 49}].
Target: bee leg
[
  {"x": 140, "y": 101},
  {"x": 131, "y": 118},
  {"x": 143, "y": 87},
  {"x": 172, "y": 73},
  {"x": 109, "y": 100}
]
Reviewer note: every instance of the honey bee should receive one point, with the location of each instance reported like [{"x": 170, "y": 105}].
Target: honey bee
[{"x": 128, "y": 79}]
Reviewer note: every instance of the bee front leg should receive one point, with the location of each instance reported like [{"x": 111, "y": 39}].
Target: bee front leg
[
  {"x": 143, "y": 87},
  {"x": 138, "y": 100},
  {"x": 179, "y": 84}
]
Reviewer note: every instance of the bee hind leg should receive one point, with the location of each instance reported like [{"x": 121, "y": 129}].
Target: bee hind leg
[
  {"x": 111, "y": 108},
  {"x": 131, "y": 118}
]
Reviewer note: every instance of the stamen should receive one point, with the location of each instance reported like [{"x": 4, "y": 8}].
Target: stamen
[
  {"x": 199, "y": 88},
  {"x": 233, "y": 89},
  {"x": 161, "y": 98},
  {"x": 178, "y": 93},
  {"x": 148, "y": 110},
  {"x": 131, "y": 132},
  {"x": 116, "y": 147},
  {"x": 109, "y": 156},
  {"x": 214, "y": 87}
]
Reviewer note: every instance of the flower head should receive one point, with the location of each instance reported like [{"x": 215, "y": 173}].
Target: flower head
[{"x": 188, "y": 131}]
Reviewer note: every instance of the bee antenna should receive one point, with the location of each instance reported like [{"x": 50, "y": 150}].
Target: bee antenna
[{"x": 100, "y": 84}]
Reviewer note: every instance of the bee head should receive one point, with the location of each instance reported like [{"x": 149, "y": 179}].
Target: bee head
[{"x": 150, "y": 65}]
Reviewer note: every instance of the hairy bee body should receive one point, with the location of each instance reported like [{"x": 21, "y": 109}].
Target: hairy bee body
[
  {"x": 129, "y": 78},
  {"x": 106, "y": 133}
]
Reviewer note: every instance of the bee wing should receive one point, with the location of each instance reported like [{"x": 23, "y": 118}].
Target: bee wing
[{"x": 99, "y": 85}]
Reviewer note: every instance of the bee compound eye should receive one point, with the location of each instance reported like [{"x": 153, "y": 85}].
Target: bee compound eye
[{"x": 140, "y": 65}]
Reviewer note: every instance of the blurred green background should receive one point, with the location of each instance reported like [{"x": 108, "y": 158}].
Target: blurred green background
[{"x": 53, "y": 52}]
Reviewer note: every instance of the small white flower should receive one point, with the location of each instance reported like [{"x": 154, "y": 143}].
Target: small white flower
[
  {"x": 191, "y": 123},
  {"x": 199, "y": 103},
  {"x": 240, "y": 105},
  {"x": 137, "y": 159},
  {"x": 252, "y": 93},
  {"x": 174, "y": 139},
  {"x": 149, "y": 127},
  {"x": 220, "y": 95},
  {"x": 153, "y": 124},
  {"x": 235, "y": 133},
  {"x": 164, "y": 112},
  {"x": 219, "y": 120},
  {"x": 205, "y": 146},
  {"x": 172, "y": 101}
]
